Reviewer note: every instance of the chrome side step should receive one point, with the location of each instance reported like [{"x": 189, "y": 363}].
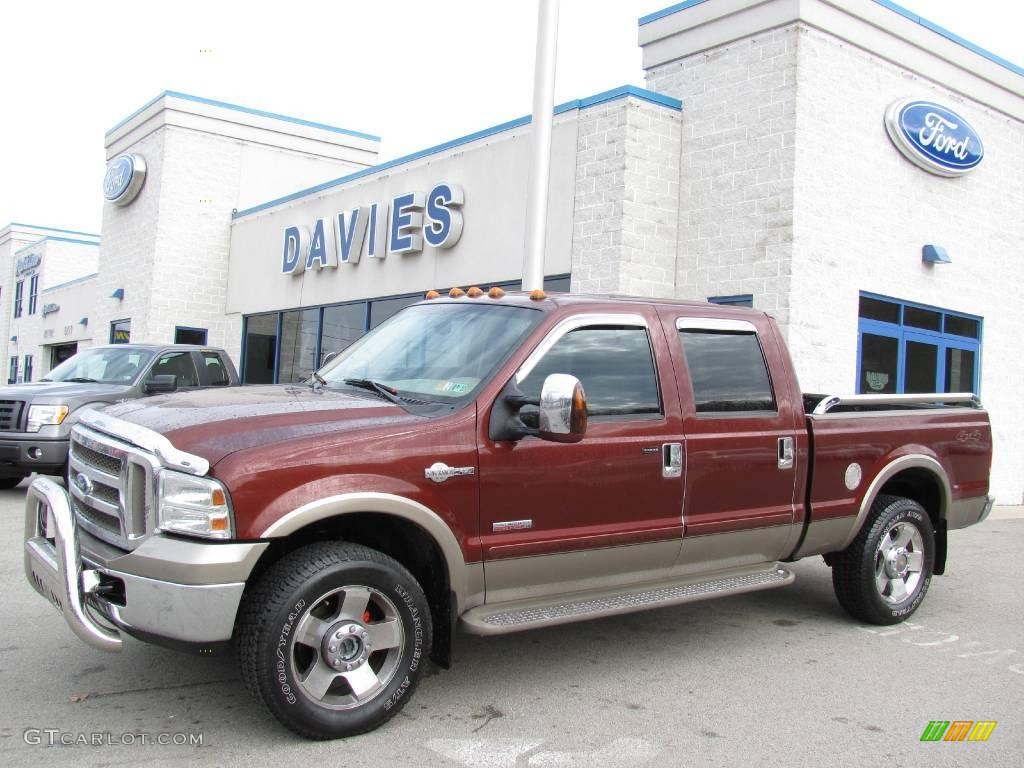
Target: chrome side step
[{"x": 562, "y": 609}]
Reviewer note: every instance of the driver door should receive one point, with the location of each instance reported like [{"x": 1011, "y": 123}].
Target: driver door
[{"x": 561, "y": 517}]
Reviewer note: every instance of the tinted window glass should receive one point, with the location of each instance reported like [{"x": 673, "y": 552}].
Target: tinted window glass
[
  {"x": 879, "y": 364},
  {"x": 179, "y": 364},
  {"x": 298, "y": 345},
  {"x": 873, "y": 309},
  {"x": 382, "y": 310},
  {"x": 260, "y": 348},
  {"x": 922, "y": 318},
  {"x": 959, "y": 370},
  {"x": 921, "y": 367},
  {"x": 614, "y": 365},
  {"x": 189, "y": 335},
  {"x": 728, "y": 371},
  {"x": 342, "y": 325},
  {"x": 216, "y": 373},
  {"x": 962, "y": 326}
]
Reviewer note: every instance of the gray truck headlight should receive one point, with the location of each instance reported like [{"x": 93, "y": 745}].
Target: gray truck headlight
[
  {"x": 195, "y": 506},
  {"x": 45, "y": 416}
]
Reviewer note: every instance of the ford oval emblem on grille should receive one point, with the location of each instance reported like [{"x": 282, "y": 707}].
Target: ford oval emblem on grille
[{"x": 83, "y": 483}]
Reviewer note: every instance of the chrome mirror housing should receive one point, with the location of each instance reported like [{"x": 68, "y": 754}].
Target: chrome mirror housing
[{"x": 563, "y": 409}]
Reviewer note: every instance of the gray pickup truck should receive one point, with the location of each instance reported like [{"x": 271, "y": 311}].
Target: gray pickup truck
[{"x": 36, "y": 418}]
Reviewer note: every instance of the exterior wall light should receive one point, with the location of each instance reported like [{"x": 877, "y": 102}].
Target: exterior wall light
[
  {"x": 118, "y": 294},
  {"x": 935, "y": 254},
  {"x": 14, "y": 339},
  {"x": 84, "y": 321}
]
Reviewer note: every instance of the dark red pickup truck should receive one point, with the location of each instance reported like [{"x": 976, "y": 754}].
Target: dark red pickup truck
[{"x": 496, "y": 463}]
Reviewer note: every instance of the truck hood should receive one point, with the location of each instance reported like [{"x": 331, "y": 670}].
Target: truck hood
[
  {"x": 214, "y": 423},
  {"x": 62, "y": 391}
]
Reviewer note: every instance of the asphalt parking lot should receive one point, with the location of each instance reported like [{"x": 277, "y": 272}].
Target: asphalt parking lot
[{"x": 781, "y": 677}]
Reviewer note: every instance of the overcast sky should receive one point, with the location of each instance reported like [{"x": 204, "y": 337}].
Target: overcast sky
[{"x": 415, "y": 73}]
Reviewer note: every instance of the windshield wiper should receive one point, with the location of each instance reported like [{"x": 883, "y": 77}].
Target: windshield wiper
[
  {"x": 388, "y": 393},
  {"x": 82, "y": 380}
]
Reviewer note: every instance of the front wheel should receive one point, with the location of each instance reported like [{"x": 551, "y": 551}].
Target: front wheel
[
  {"x": 883, "y": 576},
  {"x": 334, "y": 638}
]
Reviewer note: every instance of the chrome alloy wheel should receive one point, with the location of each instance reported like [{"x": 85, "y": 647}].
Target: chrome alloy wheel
[
  {"x": 899, "y": 561},
  {"x": 347, "y": 647}
]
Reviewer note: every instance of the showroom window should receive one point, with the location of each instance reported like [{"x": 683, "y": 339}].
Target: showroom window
[
  {"x": 19, "y": 290},
  {"x": 13, "y": 377},
  {"x": 120, "y": 331},
  {"x": 28, "y": 368},
  {"x": 286, "y": 347},
  {"x": 33, "y": 293},
  {"x": 185, "y": 335},
  {"x": 905, "y": 347}
]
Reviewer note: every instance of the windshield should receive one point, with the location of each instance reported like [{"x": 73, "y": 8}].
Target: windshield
[
  {"x": 434, "y": 352},
  {"x": 106, "y": 365}
]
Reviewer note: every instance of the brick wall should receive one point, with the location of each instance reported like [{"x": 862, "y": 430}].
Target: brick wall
[
  {"x": 626, "y": 199},
  {"x": 735, "y": 218}
]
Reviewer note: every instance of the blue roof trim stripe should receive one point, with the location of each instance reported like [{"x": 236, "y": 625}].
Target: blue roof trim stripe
[
  {"x": 600, "y": 98},
  {"x": 247, "y": 110},
  {"x": 71, "y": 282},
  {"x": 669, "y": 11},
  {"x": 34, "y": 243},
  {"x": 952, "y": 36},
  {"x": 50, "y": 229}
]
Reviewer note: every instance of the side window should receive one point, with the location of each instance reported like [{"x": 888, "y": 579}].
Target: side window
[
  {"x": 216, "y": 373},
  {"x": 179, "y": 364},
  {"x": 728, "y": 371},
  {"x": 613, "y": 363}
]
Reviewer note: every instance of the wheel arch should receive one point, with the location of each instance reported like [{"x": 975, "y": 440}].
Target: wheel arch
[
  {"x": 917, "y": 477},
  {"x": 404, "y": 529}
]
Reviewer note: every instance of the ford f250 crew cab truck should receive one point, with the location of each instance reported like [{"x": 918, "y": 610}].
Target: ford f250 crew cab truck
[
  {"x": 492, "y": 462},
  {"x": 36, "y": 418}
]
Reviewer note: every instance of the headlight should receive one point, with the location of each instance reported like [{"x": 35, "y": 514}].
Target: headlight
[
  {"x": 196, "y": 506},
  {"x": 44, "y": 416}
]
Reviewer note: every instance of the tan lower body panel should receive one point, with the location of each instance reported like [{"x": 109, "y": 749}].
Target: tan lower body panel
[
  {"x": 720, "y": 551},
  {"x": 826, "y": 536},
  {"x": 965, "y": 512},
  {"x": 525, "y": 578},
  {"x": 507, "y": 617}
]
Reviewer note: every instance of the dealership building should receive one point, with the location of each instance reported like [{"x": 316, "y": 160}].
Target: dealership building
[{"x": 848, "y": 167}]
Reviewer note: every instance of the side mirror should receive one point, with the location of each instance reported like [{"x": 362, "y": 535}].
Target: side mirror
[
  {"x": 562, "y": 416},
  {"x": 164, "y": 382},
  {"x": 563, "y": 409}
]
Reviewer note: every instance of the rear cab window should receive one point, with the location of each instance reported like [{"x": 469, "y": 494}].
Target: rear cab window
[{"x": 727, "y": 367}]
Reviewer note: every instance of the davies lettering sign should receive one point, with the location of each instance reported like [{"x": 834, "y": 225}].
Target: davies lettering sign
[
  {"x": 401, "y": 225},
  {"x": 27, "y": 263},
  {"x": 933, "y": 137}
]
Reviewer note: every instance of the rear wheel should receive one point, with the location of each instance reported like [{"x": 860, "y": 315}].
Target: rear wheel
[
  {"x": 883, "y": 576},
  {"x": 334, "y": 638}
]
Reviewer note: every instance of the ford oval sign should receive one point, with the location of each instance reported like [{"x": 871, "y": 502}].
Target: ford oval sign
[
  {"x": 933, "y": 137},
  {"x": 123, "y": 179}
]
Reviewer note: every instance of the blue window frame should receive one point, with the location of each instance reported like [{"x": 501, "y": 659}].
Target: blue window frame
[
  {"x": 905, "y": 347},
  {"x": 739, "y": 300}
]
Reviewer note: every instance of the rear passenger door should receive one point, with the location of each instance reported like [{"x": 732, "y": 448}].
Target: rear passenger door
[{"x": 741, "y": 439}]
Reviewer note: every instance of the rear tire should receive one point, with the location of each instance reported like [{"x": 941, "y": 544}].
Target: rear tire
[
  {"x": 333, "y": 639},
  {"x": 883, "y": 576}
]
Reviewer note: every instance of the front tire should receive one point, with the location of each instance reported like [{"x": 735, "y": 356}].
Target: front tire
[
  {"x": 883, "y": 576},
  {"x": 333, "y": 639}
]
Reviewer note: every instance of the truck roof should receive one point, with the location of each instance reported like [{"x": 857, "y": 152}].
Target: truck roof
[
  {"x": 155, "y": 347},
  {"x": 555, "y": 300}
]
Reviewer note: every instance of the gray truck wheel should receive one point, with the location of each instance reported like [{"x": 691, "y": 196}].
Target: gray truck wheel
[
  {"x": 333, "y": 639},
  {"x": 883, "y": 576}
]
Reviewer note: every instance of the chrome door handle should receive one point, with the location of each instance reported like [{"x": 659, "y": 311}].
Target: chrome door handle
[
  {"x": 672, "y": 460},
  {"x": 786, "y": 453}
]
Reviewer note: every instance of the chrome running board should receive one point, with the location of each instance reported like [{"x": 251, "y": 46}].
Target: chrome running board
[{"x": 502, "y": 618}]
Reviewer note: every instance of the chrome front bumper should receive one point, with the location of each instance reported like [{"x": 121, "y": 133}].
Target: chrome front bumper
[{"x": 73, "y": 580}]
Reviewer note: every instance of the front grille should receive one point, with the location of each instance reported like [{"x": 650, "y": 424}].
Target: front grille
[
  {"x": 108, "y": 522},
  {"x": 109, "y": 464},
  {"x": 105, "y": 475},
  {"x": 10, "y": 415}
]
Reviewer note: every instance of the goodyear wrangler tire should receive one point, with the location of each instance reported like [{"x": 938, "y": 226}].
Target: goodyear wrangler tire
[
  {"x": 883, "y": 576},
  {"x": 333, "y": 639}
]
